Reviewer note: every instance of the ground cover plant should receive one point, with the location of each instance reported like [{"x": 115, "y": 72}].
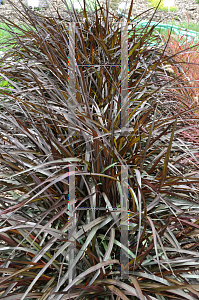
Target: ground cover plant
[
  {"x": 161, "y": 6},
  {"x": 6, "y": 32},
  {"x": 53, "y": 136},
  {"x": 189, "y": 25},
  {"x": 3, "y": 35}
]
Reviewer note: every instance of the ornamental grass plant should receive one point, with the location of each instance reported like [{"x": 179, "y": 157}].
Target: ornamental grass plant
[
  {"x": 57, "y": 134},
  {"x": 188, "y": 57}
]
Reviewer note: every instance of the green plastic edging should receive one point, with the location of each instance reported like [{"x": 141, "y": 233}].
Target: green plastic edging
[
  {"x": 190, "y": 34},
  {"x": 178, "y": 30}
]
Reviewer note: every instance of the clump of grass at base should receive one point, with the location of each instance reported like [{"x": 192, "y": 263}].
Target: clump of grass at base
[{"x": 49, "y": 131}]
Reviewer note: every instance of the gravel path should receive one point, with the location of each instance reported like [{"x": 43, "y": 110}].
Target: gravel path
[{"x": 187, "y": 9}]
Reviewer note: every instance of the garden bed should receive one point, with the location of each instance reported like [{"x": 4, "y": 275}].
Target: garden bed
[{"x": 98, "y": 157}]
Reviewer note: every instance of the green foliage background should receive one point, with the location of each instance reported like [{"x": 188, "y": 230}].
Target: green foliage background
[{"x": 154, "y": 3}]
